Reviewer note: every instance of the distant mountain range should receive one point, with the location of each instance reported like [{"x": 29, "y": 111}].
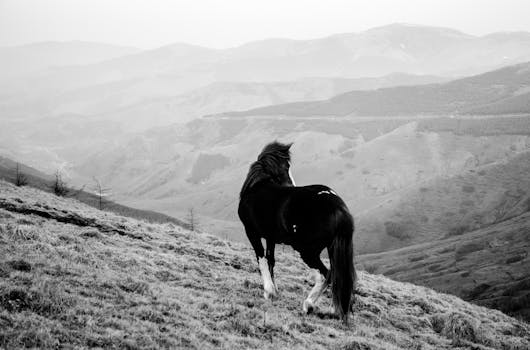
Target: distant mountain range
[
  {"x": 84, "y": 78},
  {"x": 230, "y": 96},
  {"x": 503, "y": 91},
  {"x": 35, "y": 58}
]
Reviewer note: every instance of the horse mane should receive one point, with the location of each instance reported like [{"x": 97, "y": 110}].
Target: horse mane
[{"x": 266, "y": 165}]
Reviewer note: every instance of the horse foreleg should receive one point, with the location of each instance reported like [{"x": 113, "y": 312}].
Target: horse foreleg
[
  {"x": 268, "y": 284},
  {"x": 269, "y": 254}
]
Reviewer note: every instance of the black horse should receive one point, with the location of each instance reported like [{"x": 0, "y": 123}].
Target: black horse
[{"x": 309, "y": 218}]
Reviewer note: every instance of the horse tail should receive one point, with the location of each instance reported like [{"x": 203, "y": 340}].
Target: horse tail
[{"x": 342, "y": 275}]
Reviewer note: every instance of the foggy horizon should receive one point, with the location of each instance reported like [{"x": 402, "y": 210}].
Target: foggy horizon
[
  {"x": 259, "y": 39},
  {"x": 148, "y": 25}
]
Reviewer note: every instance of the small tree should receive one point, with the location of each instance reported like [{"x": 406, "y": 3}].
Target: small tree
[
  {"x": 20, "y": 178},
  {"x": 192, "y": 219},
  {"x": 100, "y": 192},
  {"x": 59, "y": 185}
]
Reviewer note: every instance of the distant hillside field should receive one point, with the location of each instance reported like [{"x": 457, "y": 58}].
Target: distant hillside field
[{"x": 75, "y": 277}]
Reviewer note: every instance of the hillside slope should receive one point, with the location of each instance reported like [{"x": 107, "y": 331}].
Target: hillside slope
[
  {"x": 488, "y": 266},
  {"x": 42, "y": 181},
  {"x": 480, "y": 195},
  {"x": 76, "y": 277}
]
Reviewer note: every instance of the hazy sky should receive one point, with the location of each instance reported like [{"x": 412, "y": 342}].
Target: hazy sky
[{"x": 224, "y": 23}]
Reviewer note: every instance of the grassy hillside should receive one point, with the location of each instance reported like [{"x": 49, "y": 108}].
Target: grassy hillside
[
  {"x": 42, "y": 181},
  {"x": 73, "y": 276},
  {"x": 488, "y": 266},
  {"x": 461, "y": 96}
]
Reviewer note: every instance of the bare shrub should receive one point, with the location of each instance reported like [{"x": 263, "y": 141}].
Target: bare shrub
[
  {"x": 468, "y": 248},
  {"x": 478, "y": 290},
  {"x": 468, "y": 189},
  {"x": 59, "y": 186},
  {"x": 457, "y": 230},
  {"x": 417, "y": 258},
  {"x": 20, "y": 178},
  {"x": 101, "y": 193},
  {"x": 397, "y": 230},
  {"x": 192, "y": 219},
  {"x": 515, "y": 258},
  {"x": 445, "y": 250},
  {"x": 435, "y": 267}
]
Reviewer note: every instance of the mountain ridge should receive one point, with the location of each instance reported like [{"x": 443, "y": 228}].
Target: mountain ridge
[{"x": 460, "y": 96}]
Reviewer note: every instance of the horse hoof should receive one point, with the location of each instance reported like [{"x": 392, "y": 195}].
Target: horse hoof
[
  {"x": 270, "y": 292},
  {"x": 269, "y": 295},
  {"x": 308, "y": 307}
]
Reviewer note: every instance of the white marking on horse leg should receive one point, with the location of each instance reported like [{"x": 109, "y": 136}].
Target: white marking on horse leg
[
  {"x": 319, "y": 287},
  {"x": 268, "y": 285},
  {"x": 291, "y": 177}
]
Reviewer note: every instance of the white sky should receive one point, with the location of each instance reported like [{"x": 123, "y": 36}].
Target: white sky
[{"x": 225, "y": 23}]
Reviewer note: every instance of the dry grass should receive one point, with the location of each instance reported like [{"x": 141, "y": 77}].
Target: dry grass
[{"x": 159, "y": 286}]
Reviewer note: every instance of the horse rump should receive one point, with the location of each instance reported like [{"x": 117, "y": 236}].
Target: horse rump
[{"x": 342, "y": 274}]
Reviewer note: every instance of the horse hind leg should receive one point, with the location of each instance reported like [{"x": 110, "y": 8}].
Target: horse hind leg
[{"x": 320, "y": 273}]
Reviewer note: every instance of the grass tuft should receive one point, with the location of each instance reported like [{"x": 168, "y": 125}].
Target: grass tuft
[
  {"x": 468, "y": 248},
  {"x": 458, "y": 329},
  {"x": 133, "y": 286},
  {"x": 91, "y": 233},
  {"x": 44, "y": 298},
  {"x": 19, "y": 232},
  {"x": 20, "y": 265},
  {"x": 302, "y": 327}
]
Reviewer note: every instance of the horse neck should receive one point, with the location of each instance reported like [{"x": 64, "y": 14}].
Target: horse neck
[{"x": 255, "y": 175}]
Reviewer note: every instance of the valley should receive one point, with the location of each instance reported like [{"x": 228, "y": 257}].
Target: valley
[{"x": 487, "y": 266}]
